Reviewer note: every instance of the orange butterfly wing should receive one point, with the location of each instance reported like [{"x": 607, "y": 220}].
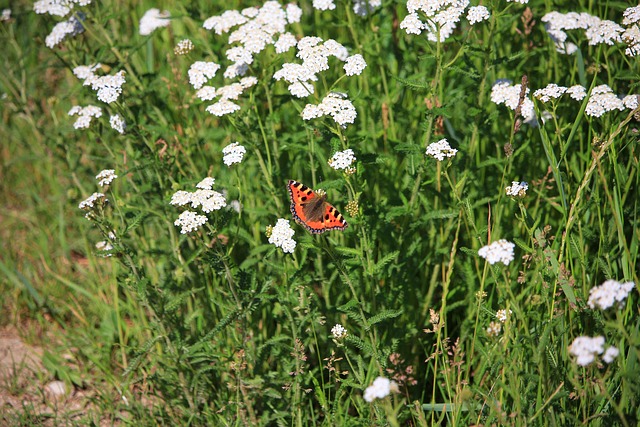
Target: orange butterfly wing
[{"x": 312, "y": 211}]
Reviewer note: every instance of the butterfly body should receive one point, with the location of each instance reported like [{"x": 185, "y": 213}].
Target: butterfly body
[{"x": 313, "y": 211}]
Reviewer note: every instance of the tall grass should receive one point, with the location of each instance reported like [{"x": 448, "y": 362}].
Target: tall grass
[{"x": 220, "y": 327}]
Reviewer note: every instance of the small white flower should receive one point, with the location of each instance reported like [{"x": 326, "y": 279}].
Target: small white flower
[
  {"x": 84, "y": 72},
  {"x": 152, "y": 20},
  {"x": 517, "y": 189},
  {"x": 108, "y": 88},
  {"x": 354, "y": 65},
  {"x": 200, "y": 72},
  {"x": 233, "y": 153},
  {"x": 183, "y": 47},
  {"x": 222, "y": 108},
  {"x": 6, "y": 15},
  {"x": 282, "y": 236},
  {"x": 117, "y": 123},
  {"x": 577, "y": 92},
  {"x": 602, "y": 100},
  {"x": 477, "y": 14},
  {"x": 215, "y": 202},
  {"x": 551, "y": 91},
  {"x": 499, "y": 251},
  {"x": 502, "y": 315},
  {"x": 104, "y": 246},
  {"x": 285, "y": 42},
  {"x": 85, "y": 115},
  {"x": 380, "y": 389},
  {"x": 294, "y": 13},
  {"x": 365, "y": 7},
  {"x": 610, "y": 354},
  {"x": 181, "y": 198},
  {"x": 206, "y": 184},
  {"x": 610, "y": 293},
  {"x": 106, "y": 176},
  {"x": 338, "y": 331},
  {"x": 323, "y": 4},
  {"x": 630, "y": 102},
  {"x": 586, "y": 349},
  {"x": 494, "y": 329},
  {"x": 440, "y": 149},
  {"x": 189, "y": 221},
  {"x": 502, "y": 92},
  {"x": 342, "y": 160},
  {"x": 89, "y": 202},
  {"x": 62, "y": 30}
]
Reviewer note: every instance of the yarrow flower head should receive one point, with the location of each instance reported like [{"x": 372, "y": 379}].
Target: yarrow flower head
[
  {"x": 380, "y": 389},
  {"x": 442, "y": 17},
  {"x": 610, "y": 293},
  {"x": 577, "y": 92},
  {"x": 183, "y": 47},
  {"x": 190, "y": 221},
  {"x": 5, "y": 15},
  {"x": 64, "y": 29},
  {"x": 233, "y": 153},
  {"x": 207, "y": 199},
  {"x": 85, "y": 115},
  {"x": 503, "y": 314},
  {"x": 338, "y": 332},
  {"x": 502, "y": 92},
  {"x": 365, "y": 7},
  {"x": 494, "y": 329},
  {"x": 281, "y": 235},
  {"x": 106, "y": 177},
  {"x": 603, "y": 100},
  {"x": 324, "y": 4},
  {"x": 152, "y": 20},
  {"x": 477, "y": 14},
  {"x": 517, "y": 189},
  {"x": 551, "y": 91},
  {"x": 440, "y": 149},
  {"x": 354, "y": 65},
  {"x": 586, "y": 349},
  {"x": 499, "y": 251},
  {"x": 342, "y": 160},
  {"x": 341, "y": 110},
  {"x": 117, "y": 123},
  {"x": 201, "y": 71},
  {"x": 90, "y": 202}
]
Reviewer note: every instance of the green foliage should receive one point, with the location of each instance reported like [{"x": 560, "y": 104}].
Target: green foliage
[{"x": 217, "y": 326}]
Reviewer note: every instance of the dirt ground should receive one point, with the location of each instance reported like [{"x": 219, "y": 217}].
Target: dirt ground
[{"x": 28, "y": 396}]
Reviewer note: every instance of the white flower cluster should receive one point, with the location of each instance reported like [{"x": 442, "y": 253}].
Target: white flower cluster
[
  {"x": 502, "y": 92},
  {"x": 597, "y": 31},
  {"x": 85, "y": 115},
  {"x": 477, "y": 14},
  {"x": 503, "y": 314},
  {"x": 610, "y": 293},
  {"x": 5, "y": 15},
  {"x": 315, "y": 54},
  {"x": 517, "y": 189},
  {"x": 207, "y": 199},
  {"x": 233, "y": 153},
  {"x": 71, "y": 27},
  {"x": 106, "y": 176},
  {"x": 441, "y": 17},
  {"x": 342, "y": 160},
  {"x": 117, "y": 123},
  {"x": 341, "y": 110},
  {"x": 586, "y": 349},
  {"x": 324, "y": 4},
  {"x": 577, "y": 92},
  {"x": 380, "y": 389},
  {"x": 282, "y": 236},
  {"x": 257, "y": 28},
  {"x": 338, "y": 331},
  {"x": 499, "y": 251},
  {"x": 89, "y": 202},
  {"x": 108, "y": 87},
  {"x": 603, "y": 100},
  {"x": 62, "y": 30},
  {"x": 226, "y": 94},
  {"x": 440, "y": 149},
  {"x": 201, "y": 71},
  {"x": 183, "y": 47},
  {"x": 631, "y": 34},
  {"x": 552, "y": 90},
  {"x": 152, "y": 20}
]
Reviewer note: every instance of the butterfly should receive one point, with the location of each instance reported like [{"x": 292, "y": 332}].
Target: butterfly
[{"x": 312, "y": 211}]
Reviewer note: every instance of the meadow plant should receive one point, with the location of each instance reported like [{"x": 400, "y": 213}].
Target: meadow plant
[{"x": 201, "y": 301}]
